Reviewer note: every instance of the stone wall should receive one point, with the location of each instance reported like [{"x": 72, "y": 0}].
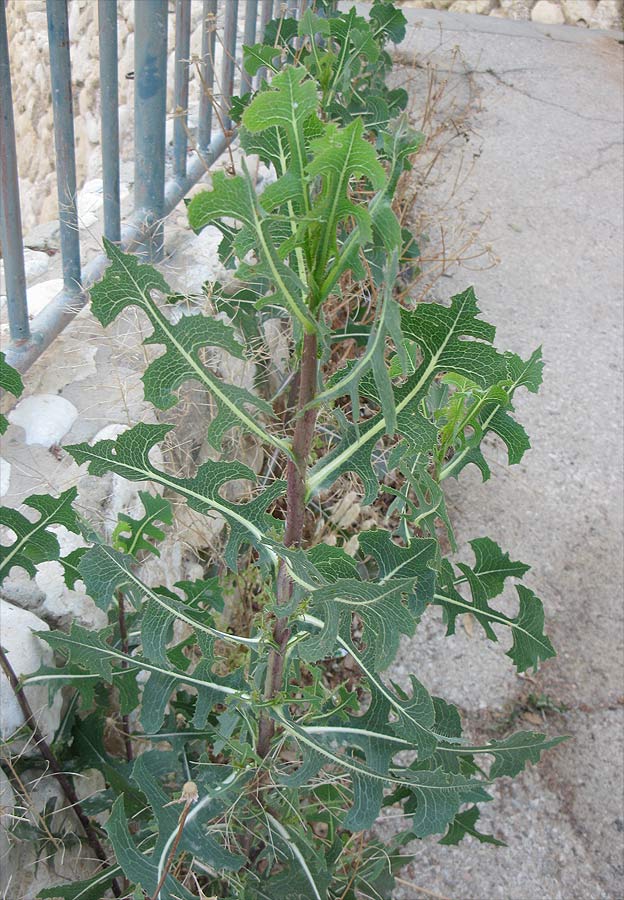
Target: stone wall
[
  {"x": 585, "y": 13},
  {"x": 30, "y": 70},
  {"x": 28, "y": 49}
]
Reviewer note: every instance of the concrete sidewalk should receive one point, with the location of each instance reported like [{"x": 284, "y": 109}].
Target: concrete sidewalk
[{"x": 542, "y": 129}]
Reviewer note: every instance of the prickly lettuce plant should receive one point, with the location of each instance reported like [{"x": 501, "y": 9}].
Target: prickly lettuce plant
[{"x": 249, "y": 759}]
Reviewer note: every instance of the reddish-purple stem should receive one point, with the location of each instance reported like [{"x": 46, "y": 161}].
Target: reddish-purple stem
[{"x": 293, "y": 534}]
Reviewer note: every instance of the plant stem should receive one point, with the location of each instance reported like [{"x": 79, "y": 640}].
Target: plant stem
[
  {"x": 295, "y": 513},
  {"x": 45, "y": 750},
  {"x": 173, "y": 851},
  {"x": 123, "y": 633}
]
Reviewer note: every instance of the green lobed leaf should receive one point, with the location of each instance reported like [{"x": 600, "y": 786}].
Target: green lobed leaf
[
  {"x": 128, "y": 456},
  {"x": 11, "y": 381},
  {"x": 133, "y": 535},
  {"x": 127, "y": 282},
  {"x": 137, "y": 866},
  {"x": 465, "y": 824},
  {"x": 495, "y": 415},
  {"x": 435, "y": 796},
  {"x": 529, "y": 643},
  {"x": 195, "y": 839},
  {"x": 34, "y": 543},
  {"x": 381, "y": 608},
  {"x": 440, "y": 333},
  {"x": 235, "y": 197}
]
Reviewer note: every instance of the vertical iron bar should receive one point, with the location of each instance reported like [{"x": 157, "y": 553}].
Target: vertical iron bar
[
  {"x": 150, "y": 109},
  {"x": 10, "y": 217},
  {"x": 107, "y": 23},
  {"x": 209, "y": 36},
  {"x": 229, "y": 58},
  {"x": 181, "y": 89},
  {"x": 266, "y": 15},
  {"x": 249, "y": 39},
  {"x": 60, "y": 72}
]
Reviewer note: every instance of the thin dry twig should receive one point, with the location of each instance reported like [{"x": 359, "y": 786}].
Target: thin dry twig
[{"x": 45, "y": 750}]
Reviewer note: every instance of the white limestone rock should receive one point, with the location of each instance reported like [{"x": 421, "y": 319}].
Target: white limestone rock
[
  {"x": 546, "y": 13},
  {"x": 5, "y": 476},
  {"x": 609, "y": 15},
  {"x": 39, "y": 295},
  {"x": 45, "y": 418},
  {"x": 578, "y": 12},
  {"x": 26, "y": 653},
  {"x": 473, "y": 7},
  {"x": 62, "y": 606}
]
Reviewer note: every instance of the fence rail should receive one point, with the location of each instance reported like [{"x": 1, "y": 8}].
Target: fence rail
[{"x": 154, "y": 195}]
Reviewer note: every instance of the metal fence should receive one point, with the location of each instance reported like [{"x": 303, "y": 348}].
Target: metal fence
[{"x": 154, "y": 195}]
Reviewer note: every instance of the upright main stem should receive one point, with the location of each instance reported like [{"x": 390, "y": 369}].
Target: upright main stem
[{"x": 295, "y": 513}]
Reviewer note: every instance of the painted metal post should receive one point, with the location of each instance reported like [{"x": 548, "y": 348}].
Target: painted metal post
[
  {"x": 249, "y": 39},
  {"x": 109, "y": 93},
  {"x": 266, "y": 14},
  {"x": 60, "y": 72},
  {"x": 229, "y": 60},
  {"x": 10, "y": 216},
  {"x": 181, "y": 88},
  {"x": 207, "y": 73},
  {"x": 150, "y": 109}
]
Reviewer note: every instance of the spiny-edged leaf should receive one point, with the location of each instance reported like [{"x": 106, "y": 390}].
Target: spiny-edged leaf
[
  {"x": 33, "y": 542},
  {"x": 93, "y": 888},
  {"x": 381, "y": 608},
  {"x": 91, "y": 651},
  {"x": 436, "y": 800},
  {"x": 525, "y": 373},
  {"x": 70, "y": 563},
  {"x": 280, "y": 31},
  {"x": 387, "y": 232},
  {"x": 128, "y": 456},
  {"x": 56, "y": 678},
  {"x": 235, "y": 197},
  {"x": 428, "y": 506},
  {"x": 388, "y": 22},
  {"x": 440, "y": 332},
  {"x": 530, "y": 645},
  {"x": 127, "y": 282},
  {"x": 260, "y": 56},
  {"x": 512, "y": 754},
  {"x": 11, "y": 381},
  {"x": 291, "y": 100},
  {"x": 400, "y": 141},
  {"x": 305, "y": 873},
  {"x": 492, "y": 567},
  {"x": 195, "y": 839},
  {"x": 464, "y": 824},
  {"x": 332, "y": 562},
  {"x": 413, "y": 561},
  {"x": 133, "y": 535},
  {"x": 495, "y": 415},
  {"x": 106, "y": 571},
  {"x": 88, "y": 744},
  {"x": 339, "y": 155},
  {"x": 435, "y": 796},
  {"x": 387, "y": 323},
  {"x": 137, "y": 866},
  {"x": 376, "y": 732},
  {"x": 355, "y": 39}
]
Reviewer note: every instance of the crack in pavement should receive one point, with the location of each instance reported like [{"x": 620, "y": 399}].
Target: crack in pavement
[{"x": 545, "y": 102}]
